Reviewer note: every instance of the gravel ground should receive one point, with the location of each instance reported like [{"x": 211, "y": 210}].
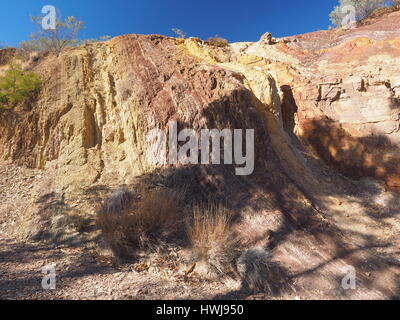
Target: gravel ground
[{"x": 85, "y": 270}]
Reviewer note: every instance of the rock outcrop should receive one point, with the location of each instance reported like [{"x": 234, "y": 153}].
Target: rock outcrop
[
  {"x": 355, "y": 88},
  {"x": 98, "y": 103},
  {"x": 319, "y": 103}
]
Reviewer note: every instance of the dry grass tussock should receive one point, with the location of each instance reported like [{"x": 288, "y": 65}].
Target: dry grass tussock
[
  {"x": 211, "y": 237},
  {"x": 218, "y": 42},
  {"x": 129, "y": 224},
  {"x": 256, "y": 270}
]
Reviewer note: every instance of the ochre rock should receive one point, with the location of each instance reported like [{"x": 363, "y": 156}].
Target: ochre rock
[
  {"x": 99, "y": 101},
  {"x": 320, "y": 103}
]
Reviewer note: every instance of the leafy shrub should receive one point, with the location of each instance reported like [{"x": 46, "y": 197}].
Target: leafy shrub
[
  {"x": 362, "y": 9},
  {"x": 16, "y": 86},
  {"x": 218, "y": 42},
  {"x": 128, "y": 226}
]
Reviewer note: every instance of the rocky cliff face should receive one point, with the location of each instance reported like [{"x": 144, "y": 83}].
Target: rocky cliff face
[
  {"x": 349, "y": 108},
  {"x": 318, "y": 102},
  {"x": 99, "y": 101}
]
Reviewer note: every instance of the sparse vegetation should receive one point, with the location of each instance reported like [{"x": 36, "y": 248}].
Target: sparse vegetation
[
  {"x": 180, "y": 34},
  {"x": 17, "y": 86},
  {"x": 55, "y": 40},
  {"x": 100, "y": 39},
  {"x": 362, "y": 9},
  {"x": 218, "y": 42},
  {"x": 6, "y": 55},
  {"x": 256, "y": 270},
  {"x": 105, "y": 38},
  {"x": 211, "y": 237},
  {"x": 128, "y": 224},
  {"x": 386, "y": 9}
]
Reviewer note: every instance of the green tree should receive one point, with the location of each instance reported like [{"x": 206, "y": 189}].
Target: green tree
[
  {"x": 355, "y": 10},
  {"x": 16, "y": 86},
  {"x": 63, "y": 35}
]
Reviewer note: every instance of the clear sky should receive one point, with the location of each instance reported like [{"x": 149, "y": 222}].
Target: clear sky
[{"x": 234, "y": 20}]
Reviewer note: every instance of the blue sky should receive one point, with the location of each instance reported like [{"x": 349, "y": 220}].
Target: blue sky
[{"x": 233, "y": 20}]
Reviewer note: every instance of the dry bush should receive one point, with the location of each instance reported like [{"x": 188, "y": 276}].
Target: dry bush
[
  {"x": 159, "y": 211},
  {"x": 179, "y": 33},
  {"x": 217, "y": 42},
  {"x": 254, "y": 267},
  {"x": 385, "y": 10},
  {"x": 128, "y": 226},
  {"x": 114, "y": 229},
  {"x": 211, "y": 237},
  {"x": 81, "y": 224},
  {"x": 120, "y": 200}
]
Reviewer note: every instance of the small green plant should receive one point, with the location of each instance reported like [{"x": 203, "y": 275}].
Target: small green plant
[
  {"x": 179, "y": 33},
  {"x": 16, "y": 86}
]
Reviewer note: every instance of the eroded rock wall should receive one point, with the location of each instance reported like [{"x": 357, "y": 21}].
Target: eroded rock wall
[{"x": 98, "y": 103}]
